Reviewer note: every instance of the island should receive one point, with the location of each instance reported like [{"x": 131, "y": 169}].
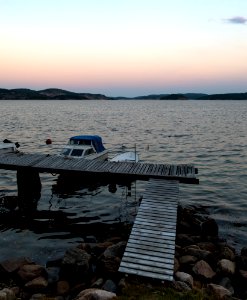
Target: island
[{"x": 60, "y": 94}]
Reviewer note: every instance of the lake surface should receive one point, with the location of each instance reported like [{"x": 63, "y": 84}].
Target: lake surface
[{"x": 212, "y": 135}]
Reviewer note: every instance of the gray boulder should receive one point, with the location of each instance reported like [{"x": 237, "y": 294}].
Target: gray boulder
[
  {"x": 75, "y": 263},
  {"x": 203, "y": 270},
  {"x": 184, "y": 277},
  {"x": 227, "y": 267},
  {"x": 219, "y": 291},
  {"x": 95, "y": 294}
]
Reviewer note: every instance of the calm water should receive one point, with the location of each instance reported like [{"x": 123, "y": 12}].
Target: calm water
[{"x": 212, "y": 135}]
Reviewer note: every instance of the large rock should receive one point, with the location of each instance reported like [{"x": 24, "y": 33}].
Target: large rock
[
  {"x": 187, "y": 259},
  {"x": 13, "y": 265},
  {"x": 181, "y": 286},
  {"x": 184, "y": 277},
  {"x": 219, "y": 291},
  {"x": 37, "y": 284},
  {"x": 99, "y": 248},
  {"x": 203, "y": 270},
  {"x": 111, "y": 258},
  {"x": 186, "y": 239},
  {"x": 7, "y": 294},
  {"x": 208, "y": 246},
  {"x": 227, "y": 284},
  {"x": 209, "y": 228},
  {"x": 110, "y": 286},
  {"x": 76, "y": 263},
  {"x": 115, "y": 250},
  {"x": 189, "y": 221},
  {"x": 227, "y": 253},
  {"x": 227, "y": 267},
  {"x": 29, "y": 272},
  {"x": 38, "y": 297},
  {"x": 95, "y": 294},
  {"x": 199, "y": 253}
]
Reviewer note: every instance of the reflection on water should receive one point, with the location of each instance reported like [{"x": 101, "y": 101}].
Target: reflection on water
[
  {"x": 211, "y": 135},
  {"x": 77, "y": 210},
  {"x": 72, "y": 202}
]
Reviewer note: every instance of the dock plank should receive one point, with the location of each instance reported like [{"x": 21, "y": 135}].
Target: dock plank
[
  {"x": 164, "y": 239},
  {"x": 151, "y": 243},
  {"x": 149, "y": 274}
]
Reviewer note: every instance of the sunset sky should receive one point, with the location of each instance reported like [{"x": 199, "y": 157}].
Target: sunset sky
[{"x": 124, "y": 47}]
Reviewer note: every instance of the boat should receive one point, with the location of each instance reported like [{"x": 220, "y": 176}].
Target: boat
[
  {"x": 85, "y": 146},
  {"x": 130, "y": 156},
  {"x": 91, "y": 147},
  {"x": 8, "y": 147}
]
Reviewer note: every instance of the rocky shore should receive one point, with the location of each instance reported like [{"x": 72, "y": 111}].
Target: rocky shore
[{"x": 203, "y": 262}]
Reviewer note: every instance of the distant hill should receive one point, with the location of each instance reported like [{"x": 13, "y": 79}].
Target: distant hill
[
  {"x": 150, "y": 97},
  {"x": 166, "y": 96},
  {"x": 230, "y": 96},
  {"x": 174, "y": 97},
  {"x": 47, "y": 94},
  {"x": 194, "y": 95},
  {"x": 59, "y": 94},
  {"x": 20, "y": 94}
]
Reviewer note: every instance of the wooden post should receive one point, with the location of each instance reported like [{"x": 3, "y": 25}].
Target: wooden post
[{"x": 29, "y": 189}]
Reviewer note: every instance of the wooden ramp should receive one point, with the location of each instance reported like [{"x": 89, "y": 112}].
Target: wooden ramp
[{"x": 151, "y": 246}]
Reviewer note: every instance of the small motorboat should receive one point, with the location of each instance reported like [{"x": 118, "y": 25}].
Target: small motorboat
[
  {"x": 130, "y": 156},
  {"x": 8, "y": 147},
  {"x": 85, "y": 146}
]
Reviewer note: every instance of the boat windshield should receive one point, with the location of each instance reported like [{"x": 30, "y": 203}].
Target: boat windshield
[
  {"x": 77, "y": 152},
  {"x": 80, "y": 142},
  {"x": 66, "y": 151}
]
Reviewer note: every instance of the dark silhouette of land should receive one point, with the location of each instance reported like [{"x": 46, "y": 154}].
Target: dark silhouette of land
[{"x": 59, "y": 94}]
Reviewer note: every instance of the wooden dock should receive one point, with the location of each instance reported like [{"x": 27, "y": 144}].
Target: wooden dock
[
  {"x": 151, "y": 246},
  {"x": 59, "y": 165}
]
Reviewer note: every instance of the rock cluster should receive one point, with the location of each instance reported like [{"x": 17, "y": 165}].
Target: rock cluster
[
  {"x": 204, "y": 261},
  {"x": 90, "y": 270}
]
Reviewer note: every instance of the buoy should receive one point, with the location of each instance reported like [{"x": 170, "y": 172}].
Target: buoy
[{"x": 48, "y": 142}]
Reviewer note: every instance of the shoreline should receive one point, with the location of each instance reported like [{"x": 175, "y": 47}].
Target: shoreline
[{"x": 204, "y": 263}]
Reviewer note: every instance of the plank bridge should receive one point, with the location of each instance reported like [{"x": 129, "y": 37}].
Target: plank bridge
[{"x": 151, "y": 245}]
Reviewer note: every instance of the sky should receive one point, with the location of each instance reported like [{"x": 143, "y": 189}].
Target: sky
[{"x": 124, "y": 47}]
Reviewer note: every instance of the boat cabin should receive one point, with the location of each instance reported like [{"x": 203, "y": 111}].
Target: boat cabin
[{"x": 85, "y": 146}]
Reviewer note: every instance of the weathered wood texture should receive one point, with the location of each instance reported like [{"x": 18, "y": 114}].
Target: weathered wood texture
[
  {"x": 151, "y": 245},
  {"x": 132, "y": 170}
]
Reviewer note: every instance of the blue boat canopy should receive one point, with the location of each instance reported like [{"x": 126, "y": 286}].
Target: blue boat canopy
[{"x": 88, "y": 140}]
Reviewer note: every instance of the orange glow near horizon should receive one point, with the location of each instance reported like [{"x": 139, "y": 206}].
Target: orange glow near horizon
[
  {"x": 133, "y": 45},
  {"x": 162, "y": 67}
]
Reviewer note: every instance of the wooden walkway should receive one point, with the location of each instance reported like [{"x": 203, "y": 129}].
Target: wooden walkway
[
  {"x": 151, "y": 246},
  {"x": 60, "y": 165}
]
